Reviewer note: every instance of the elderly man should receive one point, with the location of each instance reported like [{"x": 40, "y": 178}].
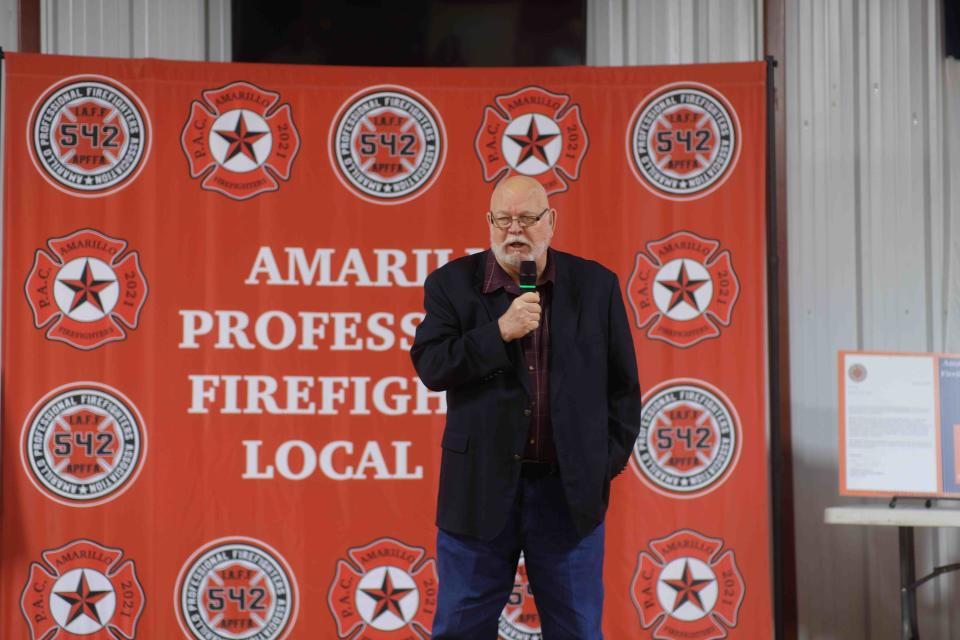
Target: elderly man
[{"x": 543, "y": 410}]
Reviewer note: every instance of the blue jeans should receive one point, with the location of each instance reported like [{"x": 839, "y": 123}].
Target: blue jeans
[{"x": 565, "y": 571}]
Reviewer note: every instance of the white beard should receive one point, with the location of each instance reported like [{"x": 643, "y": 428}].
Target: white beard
[{"x": 514, "y": 258}]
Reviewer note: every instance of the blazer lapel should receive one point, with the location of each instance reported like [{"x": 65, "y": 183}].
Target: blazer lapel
[{"x": 496, "y": 303}]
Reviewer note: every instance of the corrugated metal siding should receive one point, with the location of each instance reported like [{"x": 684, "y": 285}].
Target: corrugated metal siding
[
  {"x": 9, "y": 22},
  {"x": 951, "y": 169},
  {"x": 873, "y": 143},
  {"x": 637, "y": 32},
  {"x": 873, "y": 163},
  {"x": 173, "y": 29}
]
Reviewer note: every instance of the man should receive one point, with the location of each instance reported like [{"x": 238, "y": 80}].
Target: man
[{"x": 543, "y": 407}]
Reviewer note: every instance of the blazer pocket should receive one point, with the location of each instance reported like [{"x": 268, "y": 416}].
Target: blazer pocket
[{"x": 454, "y": 441}]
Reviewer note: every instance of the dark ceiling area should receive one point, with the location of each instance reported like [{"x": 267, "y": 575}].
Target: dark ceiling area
[{"x": 436, "y": 33}]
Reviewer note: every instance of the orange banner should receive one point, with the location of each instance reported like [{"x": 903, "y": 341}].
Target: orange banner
[{"x": 212, "y": 277}]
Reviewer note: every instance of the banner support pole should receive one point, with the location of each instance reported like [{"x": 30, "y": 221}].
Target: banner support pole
[
  {"x": 781, "y": 464},
  {"x": 3, "y": 196}
]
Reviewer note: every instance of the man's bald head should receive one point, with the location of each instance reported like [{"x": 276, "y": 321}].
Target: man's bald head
[
  {"x": 521, "y": 197},
  {"x": 518, "y": 189}
]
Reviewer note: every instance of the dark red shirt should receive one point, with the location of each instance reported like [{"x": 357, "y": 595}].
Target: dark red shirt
[{"x": 536, "y": 356}]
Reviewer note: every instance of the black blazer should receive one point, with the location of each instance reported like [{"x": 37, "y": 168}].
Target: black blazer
[{"x": 594, "y": 391}]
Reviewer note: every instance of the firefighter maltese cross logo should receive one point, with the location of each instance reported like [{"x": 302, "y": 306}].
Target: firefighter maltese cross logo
[
  {"x": 387, "y": 144},
  {"x": 532, "y": 132},
  {"x": 682, "y": 290},
  {"x": 89, "y": 136},
  {"x": 687, "y": 588},
  {"x": 86, "y": 289},
  {"x": 683, "y": 141},
  {"x": 82, "y": 590},
  {"x": 83, "y": 444},
  {"x": 236, "y": 589},
  {"x": 689, "y": 441},
  {"x": 520, "y": 619},
  {"x": 384, "y": 592},
  {"x": 240, "y": 141}
]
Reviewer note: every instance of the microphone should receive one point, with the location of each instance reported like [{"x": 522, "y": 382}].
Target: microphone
[{"x": 528, "y": 274}]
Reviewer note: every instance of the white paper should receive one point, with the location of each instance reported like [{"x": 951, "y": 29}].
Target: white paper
[{"x": 891, "y": 423}]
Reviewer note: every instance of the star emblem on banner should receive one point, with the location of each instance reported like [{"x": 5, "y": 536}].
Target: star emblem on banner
[
  {"x": 688, "y": 588},
  {"x": 387, "y": 597},
  {"x": 683, "y": 288},
  {"x": 87, "y": 289},
  {"x": 83, "y": 600},
  {"x": 533, "y": 142},
  {"x": 241, "y": 139}
]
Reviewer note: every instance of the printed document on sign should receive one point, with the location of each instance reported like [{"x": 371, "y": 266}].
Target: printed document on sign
[{"x": 890, "y": 417}]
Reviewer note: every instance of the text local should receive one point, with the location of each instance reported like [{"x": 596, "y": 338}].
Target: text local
[
  {"x": 337, "y": 460},
  {"x": 308, "y": 395}
]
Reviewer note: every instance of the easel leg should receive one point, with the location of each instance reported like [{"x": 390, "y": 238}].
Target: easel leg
[{"x": 908, "y": 595}]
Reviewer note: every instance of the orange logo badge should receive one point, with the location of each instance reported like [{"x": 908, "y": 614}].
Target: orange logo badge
[
  {"x": 690, "y": 439},
  {"x": 83, "y": 444},
  {"x": 240, "y": 141},
  {"x": 387, "y": 144},
  {"x": 682, "y": 290},
  {"x": 236, "y": 588},
  {"x": 86, "y": 288},
  {"x": 687, "y": 588},
  {"x": 532, "y": 132},
  {"x": 385, "y": 592},
  {"x": 82, "y": 590},
  {"x": 683, "y": 141},
  {"x": 89, "y": 136}
]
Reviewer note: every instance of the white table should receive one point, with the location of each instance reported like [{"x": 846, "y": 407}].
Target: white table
[{"x": 905, "y": 519}]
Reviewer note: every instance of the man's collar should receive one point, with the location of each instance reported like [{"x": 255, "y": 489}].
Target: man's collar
[{"x": 495, "y": 277}]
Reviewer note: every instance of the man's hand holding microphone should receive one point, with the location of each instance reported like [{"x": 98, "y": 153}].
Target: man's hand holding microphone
[{"x": 523, "y": 316}]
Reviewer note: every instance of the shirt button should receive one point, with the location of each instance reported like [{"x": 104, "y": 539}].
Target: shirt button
[
  {"x": 530, "y": 367},
  {"x": 527, "y": 412},
  {"x": 532, "y": 441},
  {"x": 516, "y": 456}
]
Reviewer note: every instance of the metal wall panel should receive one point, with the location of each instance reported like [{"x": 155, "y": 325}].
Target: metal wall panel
[
  {"x": 951, "y": 263},
  {"x": 637, "y": 32},
  {"x": 873, "y": 163},
  {"x": 172, "y": 29},
  {"x": 822, "y": 132},
  {"x": 872, "y": 137},
  {"x": 9, "y": 23},
  {"x": 948, "y": 549}
]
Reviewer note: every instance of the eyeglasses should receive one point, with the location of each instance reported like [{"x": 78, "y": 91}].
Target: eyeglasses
[{"x": 504, "y": 222}]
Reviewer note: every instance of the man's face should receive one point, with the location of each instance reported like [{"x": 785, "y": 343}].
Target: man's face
[{"x": 515, "y": 244}]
